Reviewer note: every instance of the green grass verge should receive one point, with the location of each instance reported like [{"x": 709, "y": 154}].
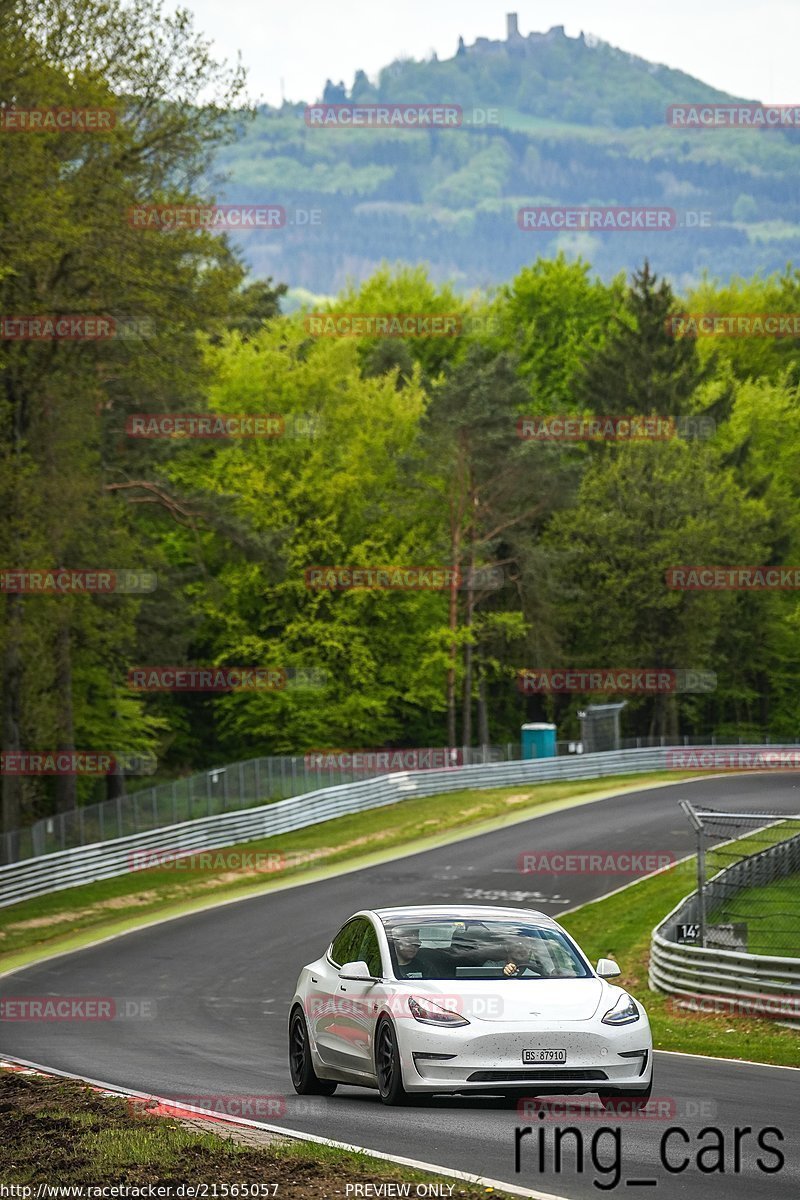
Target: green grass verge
[
  {"x": 772, "y": 913},
  {"x": 61, "y": 920},
  {"x": 620, "y": 927},
  {"x": 61, "y": 1132}
]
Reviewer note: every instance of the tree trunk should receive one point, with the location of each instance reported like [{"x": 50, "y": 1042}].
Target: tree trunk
[
  {"x": 11, "y": 676},
  {"x": 483, "y": 711},
  {"x": 466, "y": 720},
  {"x": 66, "y": 785},
  {"x": 451, "y": 670}
]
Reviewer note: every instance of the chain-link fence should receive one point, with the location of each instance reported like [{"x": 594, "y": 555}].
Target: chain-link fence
[
  {"x": 237, "y": 786},
  {"x": 748, "y": 883},
  {"x": 243, "y": 785}
]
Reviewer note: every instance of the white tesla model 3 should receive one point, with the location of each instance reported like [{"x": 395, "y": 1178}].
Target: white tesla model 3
[{"x": 448, "y": 998}]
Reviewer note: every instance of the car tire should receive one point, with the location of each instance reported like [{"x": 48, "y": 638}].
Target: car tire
[
  {"x": 628, "y": 1101},
  {"x": 305, "y": 1080},
  {"x": 388, "y": 1071}
]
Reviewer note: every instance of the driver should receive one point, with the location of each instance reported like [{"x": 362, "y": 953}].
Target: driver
[{"x": 522, "y": 958}]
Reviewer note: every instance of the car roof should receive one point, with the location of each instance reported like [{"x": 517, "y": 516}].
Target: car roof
[{"x": 423, "y": 912}]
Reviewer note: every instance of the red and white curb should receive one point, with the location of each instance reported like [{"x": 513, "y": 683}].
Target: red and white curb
[{"x": 162, "y": 1106}]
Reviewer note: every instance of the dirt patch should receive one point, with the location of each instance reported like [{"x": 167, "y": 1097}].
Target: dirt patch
[
  {"x": 80, "y": 913},
  {"x": 52, "y": 1131}
]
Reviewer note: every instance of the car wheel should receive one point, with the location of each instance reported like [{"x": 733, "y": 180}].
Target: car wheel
[
  {"x": 305, "y": 1080},
  {"x": 387, "y": 1066},
  {"x": 626, "y": 1101}
]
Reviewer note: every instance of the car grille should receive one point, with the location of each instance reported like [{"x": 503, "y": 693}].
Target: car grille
[{"x": 545, "y": 1074}]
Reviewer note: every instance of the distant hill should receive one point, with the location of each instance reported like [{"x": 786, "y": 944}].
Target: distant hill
[{"x": 575, "y": 121}]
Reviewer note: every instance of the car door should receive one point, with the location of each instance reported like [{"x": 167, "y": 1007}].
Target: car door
[
  {"x": 363, "y": 996},
  {"x": 338, "y": 1010}
]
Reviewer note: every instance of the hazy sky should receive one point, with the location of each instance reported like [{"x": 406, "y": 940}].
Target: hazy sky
[{"x": 741, "y": 46}]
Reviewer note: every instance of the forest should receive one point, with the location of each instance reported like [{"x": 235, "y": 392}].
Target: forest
[{"x": 375, "y": 451}]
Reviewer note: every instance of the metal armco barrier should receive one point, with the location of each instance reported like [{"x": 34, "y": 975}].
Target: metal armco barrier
[
  {"x": 86, "y": 864},
  {"x": 730, "y": 980}
]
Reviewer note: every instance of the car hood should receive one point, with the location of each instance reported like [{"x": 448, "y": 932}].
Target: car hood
[{"x": 533, "y": 1000}]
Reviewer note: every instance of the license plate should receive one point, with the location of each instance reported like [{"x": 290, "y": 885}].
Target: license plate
[{"x": 544, "y": 1056}]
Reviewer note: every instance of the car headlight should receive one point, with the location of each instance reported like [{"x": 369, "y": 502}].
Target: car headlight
[
  {"x": 624, "y": 1012},
  {"x": 430, "y": 1014}
]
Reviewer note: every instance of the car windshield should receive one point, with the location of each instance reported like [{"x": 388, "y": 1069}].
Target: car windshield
[{"x": 453, "y": 948}]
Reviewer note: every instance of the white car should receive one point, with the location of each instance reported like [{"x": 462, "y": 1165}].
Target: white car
[{"x": 445, "y": 998}]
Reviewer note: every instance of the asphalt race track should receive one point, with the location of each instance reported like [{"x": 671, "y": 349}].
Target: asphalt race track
[{"x": 219, "y": 983}]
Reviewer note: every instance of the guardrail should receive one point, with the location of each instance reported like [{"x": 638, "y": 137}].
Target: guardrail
[
  {"x": 238, "y": 785},
  {"x": 86, "y": 864},
  {"x": 729, "y": 980},
  {"x": 251, "y": 783}
]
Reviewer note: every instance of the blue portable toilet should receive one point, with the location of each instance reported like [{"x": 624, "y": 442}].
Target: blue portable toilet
[{"x": 539, "y": 741}]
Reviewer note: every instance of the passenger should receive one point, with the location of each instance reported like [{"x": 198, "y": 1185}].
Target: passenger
[{"x": 413, "y": 962}]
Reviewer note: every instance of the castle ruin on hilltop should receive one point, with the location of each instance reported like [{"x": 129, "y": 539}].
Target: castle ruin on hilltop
[{"x": 514, "y": 39}]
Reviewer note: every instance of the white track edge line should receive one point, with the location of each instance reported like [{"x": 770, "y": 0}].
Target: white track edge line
[{"x": 415, "y": 1163}]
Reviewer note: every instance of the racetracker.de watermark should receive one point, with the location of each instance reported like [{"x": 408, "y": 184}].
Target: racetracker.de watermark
[
  {"x": 212, "y": 1107},
  {"x": 59, "y": 581},
  {"x": 207, "y": 679},
  {"x": 63, "y": 327},
  {"x": 489, "y": 1006},
  {"x": 217, "y": 217},
  {"x": 398, "y": 325},
  {"x": 389, "y": 116},
  {"x": 777, "y": 1007},
  {"x": 205, "y": 425},
  {"x": 734, "y": 325},
  {"x": 427, "y": 759},
  {"x": 733, "y": 758},
  {"x": 77, "y": 1008},
  {"x": 733, "y": 579},
  {"x": 594, "y": 862},
  {"x": 562, "y": 428},
  {"x": 639, "y": 680},
  {"x": 77, "y": 762},
  {"x": 179, "y": 858},
  {"x": 581, "y": 1108},
  {"x": 56, "y": 120},
  {"x": 609, "y": 219},
  {"x": 402, "y": 579},
  {"x": 734, "y": 116}
]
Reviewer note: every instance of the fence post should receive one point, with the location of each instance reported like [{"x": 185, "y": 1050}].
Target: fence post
[{"x": 174, "y": 802}]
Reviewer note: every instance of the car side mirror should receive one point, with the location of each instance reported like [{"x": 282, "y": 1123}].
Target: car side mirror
[
  {"x": 606, "y": 968},
  {"x": 356, "y": 970}
]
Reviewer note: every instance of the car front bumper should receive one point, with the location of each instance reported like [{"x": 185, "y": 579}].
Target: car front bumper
[{"x": 478, "y": 1057}]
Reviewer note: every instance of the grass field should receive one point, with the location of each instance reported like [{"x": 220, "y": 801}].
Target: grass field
[
  {"x": 620, "y": 926},
  {"x": 772, "y": 914}
]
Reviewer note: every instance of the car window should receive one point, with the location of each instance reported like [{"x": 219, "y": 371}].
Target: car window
[
  {"x": 370, "y": 952},
  {"x": 450, "y": 948},
  {"x": 347, "y": 943}
]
